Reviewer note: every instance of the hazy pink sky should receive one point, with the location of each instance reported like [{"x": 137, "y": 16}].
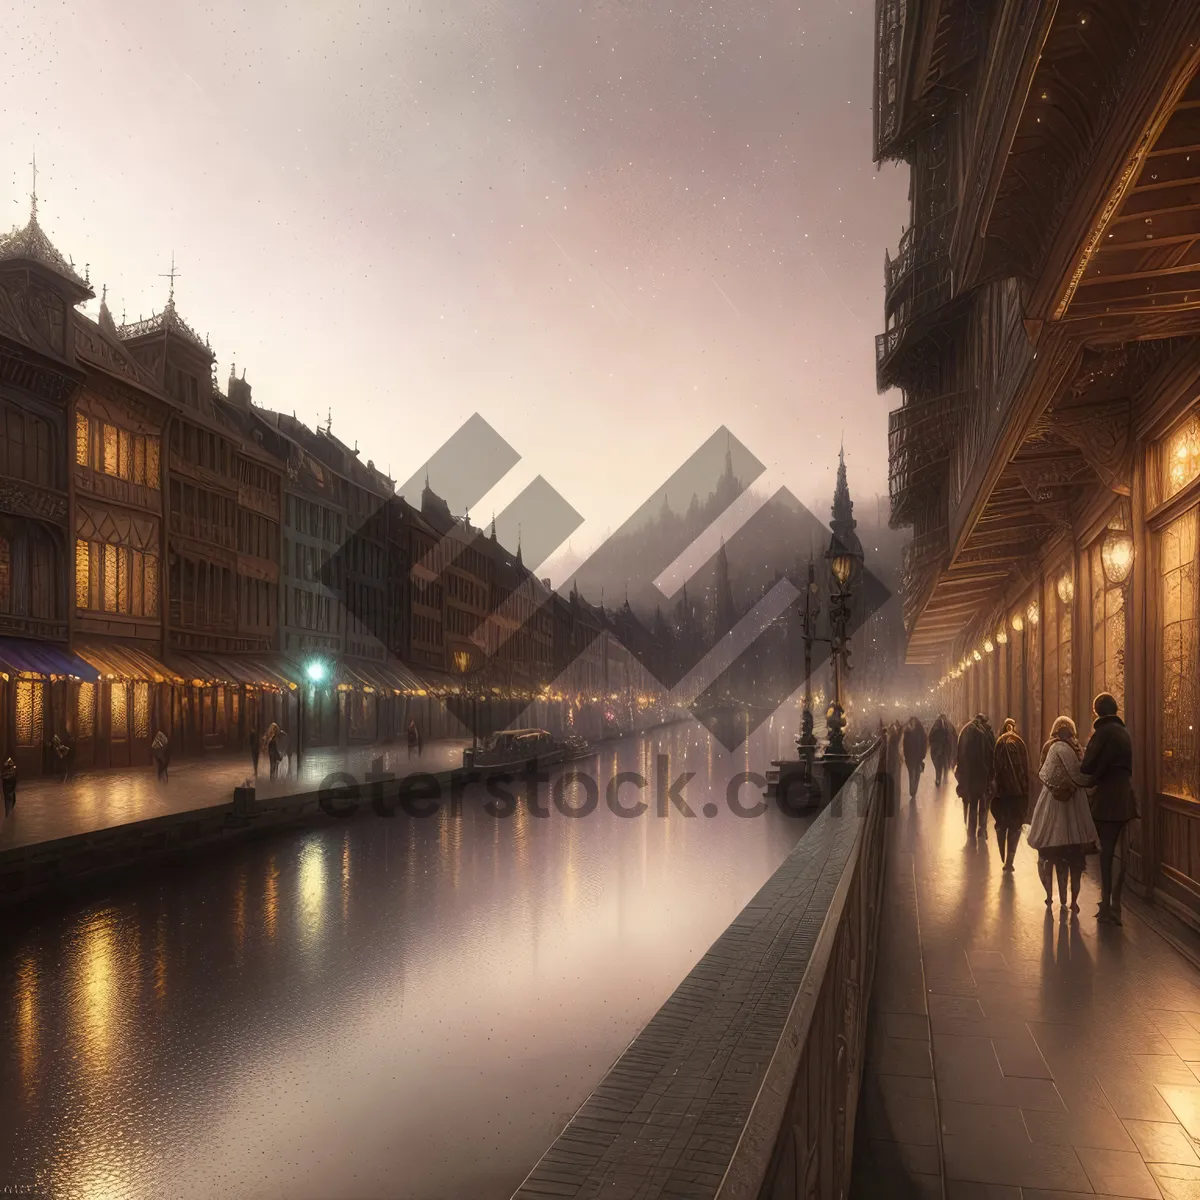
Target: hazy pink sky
[{"x": 608, "y": 228}]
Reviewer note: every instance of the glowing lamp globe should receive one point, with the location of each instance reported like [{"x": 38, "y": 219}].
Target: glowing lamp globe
[
  {"x": 315, "y": 672},
  {"x": 977, "y": 656},
  {"x": 988, "y": 645},
  {"x": 1116, "y": 554},
  {"x": 1066, "y": 588},
  {"x": 1018, "y": 622},
  {"x": 1001, "y": 636},
  {"x": 842, "y": 565}
]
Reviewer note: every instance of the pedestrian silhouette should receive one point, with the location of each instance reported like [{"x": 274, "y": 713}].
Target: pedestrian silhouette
[
  {"x": 1062, "y": 830},
  {"x": 1108, "y": 760},
  {"x": 1010, "y": 803}
]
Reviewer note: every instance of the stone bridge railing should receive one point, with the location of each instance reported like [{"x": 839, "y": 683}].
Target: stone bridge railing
[{"x": 744, "y": 1085}]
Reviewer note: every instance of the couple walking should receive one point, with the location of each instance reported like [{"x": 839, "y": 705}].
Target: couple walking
[
  {"x": 1066, "y": 825},
  {"x": 938, "y": 744},
  {"x": 996, "y": 768}
]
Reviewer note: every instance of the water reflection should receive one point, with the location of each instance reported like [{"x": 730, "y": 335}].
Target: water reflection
[{"x": 484, "y": 975}]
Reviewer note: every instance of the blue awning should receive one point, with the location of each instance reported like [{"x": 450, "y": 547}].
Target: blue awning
[{"x": 24, "y": 655}]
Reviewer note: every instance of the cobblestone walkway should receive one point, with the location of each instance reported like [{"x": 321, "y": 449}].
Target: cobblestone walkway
[
  {"x": 1017, "y": 1052},
  {"x": 48, "y": 809}
]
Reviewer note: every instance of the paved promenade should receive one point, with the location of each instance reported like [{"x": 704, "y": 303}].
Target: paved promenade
[
  {"x": 48, "y": 809},
  {"x": 1015, "y": 1052}
]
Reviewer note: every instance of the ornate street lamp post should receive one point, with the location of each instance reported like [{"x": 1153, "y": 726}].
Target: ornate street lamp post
[
  {"x": 315, "y": 670},
  {"x": 807, "y": 742},
  {"x": 841, "y": 563}
]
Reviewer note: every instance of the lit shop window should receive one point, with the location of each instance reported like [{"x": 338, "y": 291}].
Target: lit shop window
[
  {"x": 1108, "y": 630},
  {"x": 113, "y": 451},
  {"x": 29, "y": 712},
  {"x": 115, "y": 579},
  {"x": 119, "y": 709},
  {"x": 1178, "y": 656},
  {"x": 1181, "y": 457},
  {"x": 85, "y": 712},
  {"x": 141, "y": 710}
]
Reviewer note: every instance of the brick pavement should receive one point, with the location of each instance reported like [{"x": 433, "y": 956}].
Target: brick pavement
[{"x": 1016, "y": 1052}]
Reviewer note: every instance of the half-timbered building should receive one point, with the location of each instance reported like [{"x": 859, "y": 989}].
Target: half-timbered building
[
  {"x": 39, "y": 376},
  {"x": 1043, "y": 323}
]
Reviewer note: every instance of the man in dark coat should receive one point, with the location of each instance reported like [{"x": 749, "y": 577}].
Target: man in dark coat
[
  {"x": 1109, "y": 761},
  {"x": 942, "y": 742},
  {"x": 916, "y": 746},
  {"x": 1010, "y": 804},
  {"x": 976, "y": 755}
]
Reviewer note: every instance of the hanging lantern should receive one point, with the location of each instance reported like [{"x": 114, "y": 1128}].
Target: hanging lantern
[
  {"x": 977, "y": 656},
  {"x": 1002, "y": 636},
  {"x": 1116, "y": 555},
  {"x": 1066, "y": 587},
  {"x": 988, "y": 645},
  {"x": 1018, "y": 621}
]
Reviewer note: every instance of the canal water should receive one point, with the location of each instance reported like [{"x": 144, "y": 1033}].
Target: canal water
[{"x": 408, "y": 1009}]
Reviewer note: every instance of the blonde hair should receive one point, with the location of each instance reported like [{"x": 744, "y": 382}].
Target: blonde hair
[{"x": 1061, "y": 725}]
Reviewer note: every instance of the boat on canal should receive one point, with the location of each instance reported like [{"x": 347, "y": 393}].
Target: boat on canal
[{"x": 525, "y": 750}]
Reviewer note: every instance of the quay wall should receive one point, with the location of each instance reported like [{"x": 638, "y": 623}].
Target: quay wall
[{"x": 744, "y": 1085}]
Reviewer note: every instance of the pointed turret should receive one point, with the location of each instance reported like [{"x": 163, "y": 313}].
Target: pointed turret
[
  {"x": 843, "y": 523},
  {"x": 31, "y": 249}
]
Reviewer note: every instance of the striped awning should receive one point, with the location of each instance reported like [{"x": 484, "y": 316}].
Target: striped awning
[
  {"x": 239, "y": 670},
  {"x": 27, "y": 656},
  {"x": 120, "y": 660},
  {"x": 387, "y": 677}
]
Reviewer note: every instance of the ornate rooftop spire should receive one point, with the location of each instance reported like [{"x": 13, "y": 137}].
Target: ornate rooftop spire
[
  {"x": 843, "y": 523},
  {"x": 31, "y": 245},
  {"x": 167, "y": 321}
]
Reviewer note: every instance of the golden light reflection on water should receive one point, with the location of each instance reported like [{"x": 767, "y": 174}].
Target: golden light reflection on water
[
  {"x": 99, "y": 987},
  {"x": 160, "y": 958},
  {"x": 311, "y": 890},
  {"x": 345, "y": 876},
  {"x": 271, "y": 898},
  {"x": 239, "y": 909},
  {"x": 27, "y": 1025}
]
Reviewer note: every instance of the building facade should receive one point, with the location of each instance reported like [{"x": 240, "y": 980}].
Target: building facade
[{"x": 1043, "y": 323}]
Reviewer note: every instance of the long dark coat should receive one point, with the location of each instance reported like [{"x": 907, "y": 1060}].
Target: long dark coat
[
  {"x": 976, "y": 755},
  {"x": 942, "y": 739},
  {"x": 1109, "y": 760},
  {"x": 915, "y": 742}
]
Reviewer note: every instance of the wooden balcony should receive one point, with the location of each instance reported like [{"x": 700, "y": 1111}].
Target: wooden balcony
[
  {"x": 258, "y": 500},
  {"x": 21, "y": 498},
  {"x": 918, "y": 289},
  {"x": 119, "y": 491},
  {"x": 202, "y": 475},
  {"x": 210, "y": 532},
  {"x": 889, "y": 43},
  {"x": 920, "y": 437},
  {"x": 39, "y": 628}
]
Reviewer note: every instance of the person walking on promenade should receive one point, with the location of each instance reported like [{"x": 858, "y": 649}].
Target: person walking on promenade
[
  {"x": 412, "y": 737},
  {"x": 1108, "y": 760},
  {"x": 943, "y": 740},
  {"x": 160, "y": 751},
  {"x": 1010, "y": 803},
  {"x": 283, "y": 747},
  {"x": 916, "y": 746},
  {"x": 255, "y": 747},
  {"x": 8, "y": 778},
  {"x": 1062, "y": 830},
  {"x": 975, "y": 763},
  {"x": 273, "y": 748}
]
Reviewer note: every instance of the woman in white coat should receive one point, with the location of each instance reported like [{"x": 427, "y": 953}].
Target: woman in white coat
[{"x": 1062, "y": 831}]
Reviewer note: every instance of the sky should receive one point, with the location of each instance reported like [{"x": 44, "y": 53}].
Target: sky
[{"x": 608, "y": 228}]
